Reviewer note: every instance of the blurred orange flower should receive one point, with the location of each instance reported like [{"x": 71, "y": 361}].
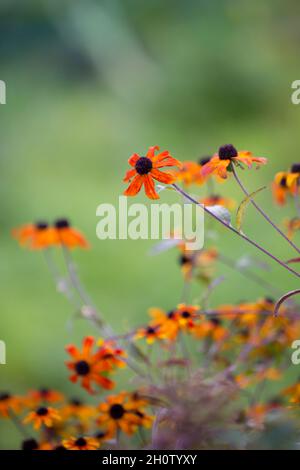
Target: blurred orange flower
[{"x": 220, "y": 163}]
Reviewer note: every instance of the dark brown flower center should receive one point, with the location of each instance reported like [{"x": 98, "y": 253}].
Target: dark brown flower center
[
  {"x": 30, "y": 444},
  {"x": 227, "y": 152},
  {"x": 150, "y": 330},
  {"x": 61, "y": 223},
  {"x": 184, "y": 260},
  {"x": 295, "y": 168},
  {"x": 216, "y": 321},
  {"x": 185, "y": 314},
  {"x": 82, "y": 368},
  {"x": 43, "y": 411},
  {"x": 116, "y": 411},
  {"x": 4, "y": 396},
  {"x": 143, "y": 165},
  {"x": 80, "y": 442},
  {"x": 171, "y": 314},
  {"x": 41, "y": 225},
  {"x": 203, "y": 160},
  {"x": 283, "y": 182},
  {"x": 75, "y": 402}
]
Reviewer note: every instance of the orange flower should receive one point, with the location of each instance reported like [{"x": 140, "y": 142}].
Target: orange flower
[
  {"x": 35, "y": 236},
  {"x": 216, "y": 200},
  {"x": 211, "y": 328},
  {"x": 150, "y": 333},
  {"x": 81, "y": 443},
  {"x": 280, "y": 189},
  {"x": 123, "y": 412},
  {"x": 9, "y": 403},
  {"x": 68, "y": 236},
  {"x": 189, "y": 173},
  {"x": 88, "y": 366},
  {"x": 146, "y": 169},
  {"x": 227, "y": 155},
  {"x": 44, "y": 395},
  {"x": 78, "y": 410},
  {"x": 289, "y": 179},
  {"x": 43, "y": 415}
]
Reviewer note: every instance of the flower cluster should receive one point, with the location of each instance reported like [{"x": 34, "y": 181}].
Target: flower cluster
[{"x": 213, "y": 375}]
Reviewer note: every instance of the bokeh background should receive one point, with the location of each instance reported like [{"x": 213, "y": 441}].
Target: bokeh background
[{"x": 88, "y": 83}]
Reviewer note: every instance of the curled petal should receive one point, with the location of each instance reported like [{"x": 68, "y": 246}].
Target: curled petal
[
  {"x": 150, "y": 187},
  {"x": 151, "y": 151}
]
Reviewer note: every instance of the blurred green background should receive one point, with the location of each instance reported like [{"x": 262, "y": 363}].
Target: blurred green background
[{"x": 90, "y": 82}]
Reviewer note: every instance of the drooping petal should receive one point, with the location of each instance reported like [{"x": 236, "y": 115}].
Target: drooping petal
[
  {"x": 129, "y": 175},
  {"x": 135, "y": 186},
  {"x": 150, "y": 187},
  {"x": 169, "y": 161},
  {"x": 166, "y": 178}
]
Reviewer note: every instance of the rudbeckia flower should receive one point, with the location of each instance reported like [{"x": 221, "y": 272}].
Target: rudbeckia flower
[
  {"x": 35, "y": 236},
  {"x": 227, "y": 155},
  {"x": 88, "y": 367},
  {"x": 121, "y": 412},
  {"x": 150, "y": 333},
  {"x": 81, "y": 443},
  {"x": 9, "y": 403},
  {"x": 43, "y": 416},
  {"x": 44, "y": 395},
  {"x": 289, "y": 179},
  {"x": 75, "y": 409},
  {"x": 146, "y": 169},
  {"x": 68, "y": 236},
  {"x": 189, "y": 173},
  {"x": 280, "y": 189}
]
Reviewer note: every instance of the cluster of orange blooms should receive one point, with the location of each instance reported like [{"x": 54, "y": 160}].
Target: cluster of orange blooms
[{"x": 245, "y": 340}]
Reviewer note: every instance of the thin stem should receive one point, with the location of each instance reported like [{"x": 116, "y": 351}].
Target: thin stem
[
  {"x": 249, "y": 275},
  {"x": 283, "y": 299},
  {"x": 92, "y": 314},
  {"x": 262, "y": 212},
  {"x": 232, "y": 229}
]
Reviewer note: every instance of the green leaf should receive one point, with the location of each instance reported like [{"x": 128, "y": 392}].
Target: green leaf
[{"x": 243, "y": 206}]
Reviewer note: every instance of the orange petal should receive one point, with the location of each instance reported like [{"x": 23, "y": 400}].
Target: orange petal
[
  {"x": 169, "y": 161},
  {"x": 162, "y": 177},
  {"x": 133, "y": 159},
  {"x": 150, "y": 187},
  {"x": 135, "y": 186},
  {"x": 129, "y": 175},
  {"x": 88, "y": 343}
]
